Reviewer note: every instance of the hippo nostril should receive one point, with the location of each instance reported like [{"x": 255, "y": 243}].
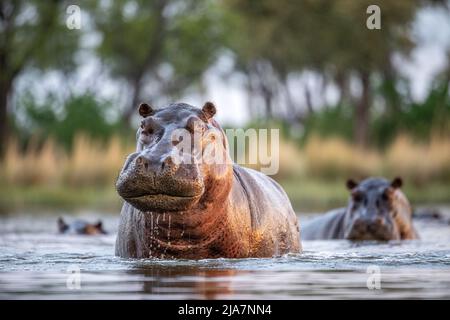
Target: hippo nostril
[
  {"x": 141, "y": 161},
  {"x": 168, "y": 163}
]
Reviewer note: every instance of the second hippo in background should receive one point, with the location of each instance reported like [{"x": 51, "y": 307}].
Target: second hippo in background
[
  {"x": 80, "y": 227},
  {"x": 377, "y": 210}
]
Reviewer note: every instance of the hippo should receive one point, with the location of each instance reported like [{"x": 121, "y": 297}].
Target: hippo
[
  {"x": 431, "y": 215},
  {"x": 377, "y": 210},
  {"x": 178, "y": 205},
  {"x": 80, "y": 227}
]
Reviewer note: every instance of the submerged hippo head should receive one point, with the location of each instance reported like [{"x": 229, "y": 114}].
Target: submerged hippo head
[
  {"x": 172, "y": 167},
  {"x": 377, "y": 210},
  {"x": 80, "y": 227}
]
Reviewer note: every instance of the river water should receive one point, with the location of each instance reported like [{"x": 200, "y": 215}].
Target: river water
[{"x": 38, "y": 263}]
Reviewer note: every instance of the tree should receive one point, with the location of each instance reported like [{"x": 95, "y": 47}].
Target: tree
[
  {"x": 327, "y": 37},
  {"x": 159, "y": 48},
  {"x": 32, "y": 35},
  {"x": 81, "y": 114}
]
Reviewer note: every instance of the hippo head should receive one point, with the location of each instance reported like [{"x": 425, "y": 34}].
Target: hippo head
[
  {"x": 172, "y": 169},
  {"x": 371, "y": 212}
]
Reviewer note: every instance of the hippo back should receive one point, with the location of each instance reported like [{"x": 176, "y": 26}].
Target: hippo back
[
  {"x": 270, "y": 210},
  {"x": 328, "y": 226}
]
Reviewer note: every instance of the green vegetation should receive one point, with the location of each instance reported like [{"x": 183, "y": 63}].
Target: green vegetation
[
  {"x": 63, "y": 145},
  {"x": 321, "y": 195},
  {"x": 80, "y": 114},
  {"x": 306, "y": 195},
  {"x": 313, "y": 175},
  {"x": 20, "y": 198}
]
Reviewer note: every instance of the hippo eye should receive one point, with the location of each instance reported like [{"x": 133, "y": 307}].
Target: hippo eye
[
  {"x": 147, "y": 131},
  {"x": 148, "y": 126}
]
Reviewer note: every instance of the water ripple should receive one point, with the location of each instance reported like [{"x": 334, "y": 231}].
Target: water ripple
[{"x": 34, "y": 263}]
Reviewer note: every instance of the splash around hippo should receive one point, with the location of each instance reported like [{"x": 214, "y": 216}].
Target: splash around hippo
[
  {"x": 179, "y": 207},
  {"x": 377, "y": 210}
]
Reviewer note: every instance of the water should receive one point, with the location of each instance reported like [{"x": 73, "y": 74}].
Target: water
[{"x": 35, "y": 263}]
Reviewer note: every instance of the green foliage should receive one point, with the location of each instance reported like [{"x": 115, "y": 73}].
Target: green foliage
[
  {"x": 194, "y": 41},
  {"x": 35, "y": 35},
  {"x": 322, "y": 35},
  {"x": 417, "y": 119},
  {"x": 329, "y": 38},
  {"x": 167, "y": 44},
  {"x": 79, "y": 114},
  {"x": 162, "y": 48},
  {"x": 332, "y": 121}
]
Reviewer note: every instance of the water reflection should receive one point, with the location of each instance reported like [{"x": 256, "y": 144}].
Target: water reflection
[{"x": 200, "y": 283}]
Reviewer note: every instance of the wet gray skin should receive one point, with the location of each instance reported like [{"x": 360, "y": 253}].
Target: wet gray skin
[{"x": 377, "y": 210}]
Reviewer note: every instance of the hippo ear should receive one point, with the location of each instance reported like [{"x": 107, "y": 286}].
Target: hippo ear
[
  {"x": 397, "y": 183},
  {"x": 99, "y": 224},
  {"x": 351, "y": 184},
  {"x": 145, "y": 110},
  {"x": 62, "y": 226},
  {"x": 209, "y": 109}
]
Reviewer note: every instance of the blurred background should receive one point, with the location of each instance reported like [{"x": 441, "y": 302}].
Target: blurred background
[{"x": 349, "y": 101}]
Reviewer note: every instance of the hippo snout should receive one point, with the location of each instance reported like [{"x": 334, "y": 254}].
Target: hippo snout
[
  {"x": 156, "y": 168},
  {"x": 151, "y": 183},
  {"x": 371, "y": 229}
]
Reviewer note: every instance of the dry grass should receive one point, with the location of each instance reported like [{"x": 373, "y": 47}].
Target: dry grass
[
  {"x": 312, "y": 176},
  {"x": 34, "y": 166},
  {"x": 335, "y": 157},
  {"x": 92, "y": 163},
  {"x": 417, "y": 162},
  {"x": 420, "y": 163},
  {"x": 89, "y": 164}
]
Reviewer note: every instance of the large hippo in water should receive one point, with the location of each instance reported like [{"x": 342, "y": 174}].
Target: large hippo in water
[
  {"x": 377, "y": 210},
  {"x": 197, "y": 209}
]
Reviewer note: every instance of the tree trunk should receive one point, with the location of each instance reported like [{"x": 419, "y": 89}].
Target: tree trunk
[
  {"x": 252, "y": 110},
  {"x": 5, "y": 87},
  {"x": 344, "y": 90},
  {"x": 131, "y": 109},
  {"x": 361, "y": 119},
  {"x": 291, "y": 111},
  {"x": 267, "y": 96},
  {"x": 308, "y": 100},
  {"x": 391, "y": 94},
  {"x": 4, "y": 126},
  {"x": 153, "y": 54}
]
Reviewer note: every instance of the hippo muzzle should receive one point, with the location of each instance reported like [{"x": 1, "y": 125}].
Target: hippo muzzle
[
  {"x": 156, "y": 183},
  {"x": 378, "y": 229}
]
